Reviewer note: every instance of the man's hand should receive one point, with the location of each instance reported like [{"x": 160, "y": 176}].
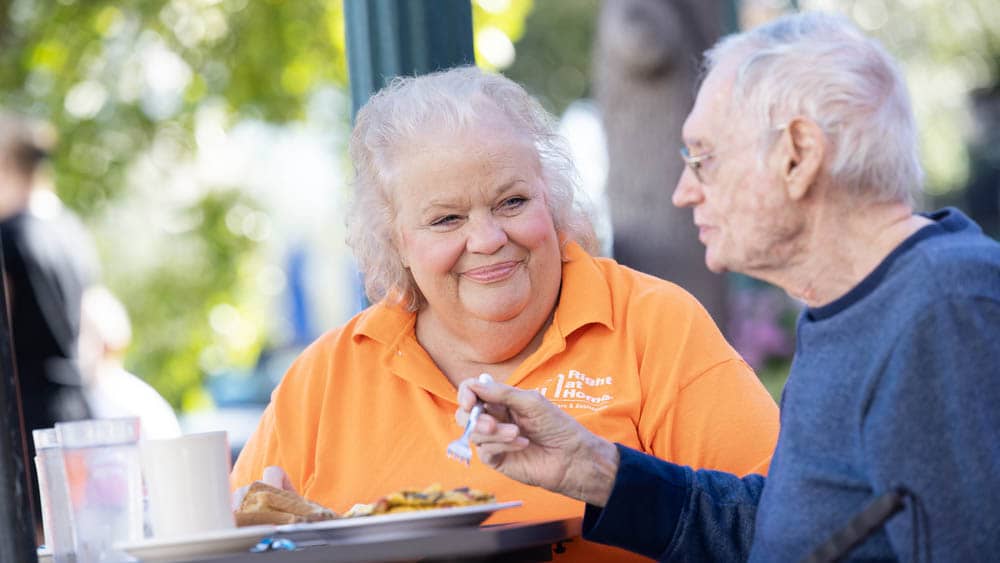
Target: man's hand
[
  {"x": 273, "y": 475},
  {"x": 527, "y": 438}
]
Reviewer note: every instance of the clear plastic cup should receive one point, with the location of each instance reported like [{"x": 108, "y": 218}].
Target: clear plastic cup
[
  {"x": 105, "y": 485},
  {"x": 53, "y": 492}
]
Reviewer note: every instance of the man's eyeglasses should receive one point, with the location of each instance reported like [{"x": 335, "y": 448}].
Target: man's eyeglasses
[{"x": 695, "y": 162}]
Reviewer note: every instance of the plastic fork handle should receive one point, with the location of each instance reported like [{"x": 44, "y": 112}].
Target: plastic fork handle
[{"x": 477, "y": 409}]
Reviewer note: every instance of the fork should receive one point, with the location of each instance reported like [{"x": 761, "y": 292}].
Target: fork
[{"x": 460, "y": 449}]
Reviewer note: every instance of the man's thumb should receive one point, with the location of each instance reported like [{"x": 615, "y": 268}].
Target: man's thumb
[{"x": 516, "y": 400}]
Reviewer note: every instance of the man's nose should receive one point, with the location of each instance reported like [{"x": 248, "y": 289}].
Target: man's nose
[
  {"x": 486, "y": 235},
  {"x": 688, "y": 190}
]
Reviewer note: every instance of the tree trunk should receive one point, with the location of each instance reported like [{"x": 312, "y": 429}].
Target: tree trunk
[{"x": 647, "y": 57}]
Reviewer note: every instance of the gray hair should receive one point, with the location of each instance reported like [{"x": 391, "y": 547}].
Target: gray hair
[
  {"x": 453, "y": 99},
  {"x": 822, "y": 67}
]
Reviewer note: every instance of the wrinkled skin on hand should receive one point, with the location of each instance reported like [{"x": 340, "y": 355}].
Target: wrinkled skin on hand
[{"x": 527, "y": 438}]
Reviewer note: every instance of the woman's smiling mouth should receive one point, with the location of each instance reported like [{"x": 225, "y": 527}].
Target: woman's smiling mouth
[{"x": 492, "y": 273}]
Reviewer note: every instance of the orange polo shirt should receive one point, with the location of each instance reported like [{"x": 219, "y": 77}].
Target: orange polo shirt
[{"x": 365, "y": 411}]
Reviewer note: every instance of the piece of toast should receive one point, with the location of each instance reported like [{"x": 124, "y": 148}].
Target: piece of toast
[
  {"x": 262, "y": 518},
  {"x": 264, "y": 504}
]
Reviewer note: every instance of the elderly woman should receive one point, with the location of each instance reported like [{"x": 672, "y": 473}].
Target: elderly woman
[{"x": 476, "y": 257}]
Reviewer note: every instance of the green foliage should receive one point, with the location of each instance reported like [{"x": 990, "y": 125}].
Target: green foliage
[
  {"x": 554, "y": 54},
  {"x": 177, "y": 295},
  {"x": 774, "y": 375},
  {"x": 91, "y": 68},
  {"x": 98, "y": 70},
  {"x": 506, "y": 17},
  {"x": 947, "y": 50},
  {"x": 263, "y": 57},
  {"x": 278, "y": 52}
]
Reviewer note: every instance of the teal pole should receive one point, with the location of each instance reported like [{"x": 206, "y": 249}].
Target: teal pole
[
  {"x": 387, "y": 38},
  {"x": 732, "y": 16}
]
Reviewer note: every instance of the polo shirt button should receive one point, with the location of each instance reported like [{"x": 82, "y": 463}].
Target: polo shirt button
[{"x": 399, "y": 352}]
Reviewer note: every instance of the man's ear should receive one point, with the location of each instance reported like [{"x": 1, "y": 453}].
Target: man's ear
[{"x": 803, "y": 149}]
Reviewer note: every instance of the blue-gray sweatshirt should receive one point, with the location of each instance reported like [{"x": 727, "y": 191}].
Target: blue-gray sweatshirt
[{"x": 894, "y": 385}]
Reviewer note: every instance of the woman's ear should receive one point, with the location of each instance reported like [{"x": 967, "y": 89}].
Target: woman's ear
[{"x": 804, "y": 146}]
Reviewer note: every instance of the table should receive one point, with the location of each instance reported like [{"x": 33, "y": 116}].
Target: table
[{"x": 515, "y": 542}]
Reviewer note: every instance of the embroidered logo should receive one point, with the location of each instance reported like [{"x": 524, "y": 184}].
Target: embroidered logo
[{"x": 574, "y": 390}]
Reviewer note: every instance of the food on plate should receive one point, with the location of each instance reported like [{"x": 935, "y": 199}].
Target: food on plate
[
  {"x": 264, "y": 504},
  {"x": 408, "y": 500}
]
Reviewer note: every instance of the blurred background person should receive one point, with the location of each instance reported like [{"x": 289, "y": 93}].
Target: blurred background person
[
  {"x": 48, "y": 261},
  {"x": 111, "y": 390}
]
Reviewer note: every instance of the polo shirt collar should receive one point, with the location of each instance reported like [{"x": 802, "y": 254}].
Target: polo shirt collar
[
  {"x": 585, "y": 297},
  {"x": 393, "y": 327},
  {"x": 385, "y": 322}
]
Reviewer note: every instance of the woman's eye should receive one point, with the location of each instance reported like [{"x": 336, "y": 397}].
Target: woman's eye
[
  {"x": 445, "y": 221},
  {"x": 513, "y": 202}
]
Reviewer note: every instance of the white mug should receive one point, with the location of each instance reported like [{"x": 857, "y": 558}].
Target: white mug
[{"x": 187, "y": 481}]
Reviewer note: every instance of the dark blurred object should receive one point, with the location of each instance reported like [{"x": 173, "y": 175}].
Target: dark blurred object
[
  {"x": 48, "y": 262},
  {"x": 646, "y": 75},
  {"x": 17, "y": 539},
  {"x": 403, "y": 37},
  {"x": 982, "y": 195},
  {"x": 859, "y": 528}
]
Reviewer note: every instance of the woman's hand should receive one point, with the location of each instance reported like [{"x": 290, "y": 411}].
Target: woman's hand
[
  {"x": 529, "y": 439},
  {"x": 273, "y": 475}
]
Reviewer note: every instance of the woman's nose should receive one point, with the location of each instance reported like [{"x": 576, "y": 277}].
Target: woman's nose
[{"x": 486, "y": 236}]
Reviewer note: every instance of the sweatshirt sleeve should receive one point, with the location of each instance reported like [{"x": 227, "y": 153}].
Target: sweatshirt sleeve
[
  {"x": 931, "y": 428},
  {"x": 671, "y": 512}
]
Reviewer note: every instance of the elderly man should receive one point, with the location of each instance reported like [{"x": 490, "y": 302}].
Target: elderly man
[{"x": 802, "y": 159}]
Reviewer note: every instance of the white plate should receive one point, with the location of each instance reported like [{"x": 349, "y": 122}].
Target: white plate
[
  {"x": 394, "y": 523},
  {"x": 209, "y": 543}
]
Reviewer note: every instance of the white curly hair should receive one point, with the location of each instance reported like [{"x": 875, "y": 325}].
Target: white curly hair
[{"x": 451, "y": 99}]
